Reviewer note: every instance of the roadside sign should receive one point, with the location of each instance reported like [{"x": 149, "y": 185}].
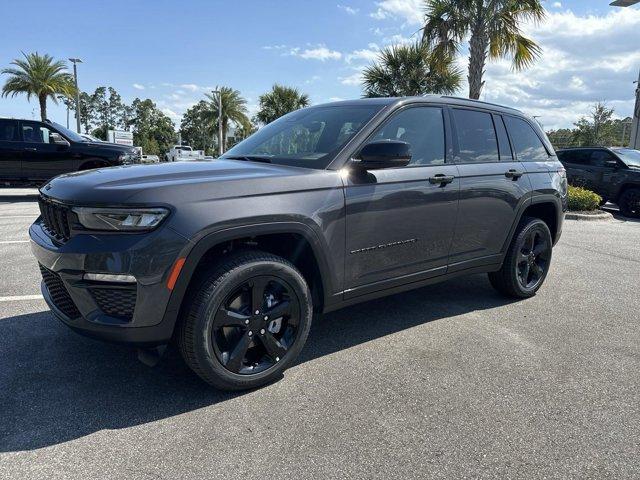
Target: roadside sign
[{"x": 121, "y": 137}]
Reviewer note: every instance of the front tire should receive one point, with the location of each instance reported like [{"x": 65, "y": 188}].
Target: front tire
[
  {"x": 527, "y": 262},
  {"x": 629, "y": 203},
  {"x": 247, "y": 322}
]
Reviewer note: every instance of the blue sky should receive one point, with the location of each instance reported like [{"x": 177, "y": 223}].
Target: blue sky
[{"x": 172, "y": 52}]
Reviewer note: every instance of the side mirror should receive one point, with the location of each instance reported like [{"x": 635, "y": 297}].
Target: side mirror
[
  {"x": 58, "y": 139},
  {"x": 383, "y": 154}
]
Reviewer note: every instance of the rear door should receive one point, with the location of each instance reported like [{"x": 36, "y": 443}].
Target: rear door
[
  {"x": 576, "y": 162},
  {"x": 43, "y": 159},
  {"x": 10, "y": 149},
  {"x": 492, "y": 186},
  {"x": 400, "y": 221}
]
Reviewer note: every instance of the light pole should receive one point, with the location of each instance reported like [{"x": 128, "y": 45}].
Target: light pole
[
  {"x": 75, "y": 78},
  {"x": 220, "y": 139}
]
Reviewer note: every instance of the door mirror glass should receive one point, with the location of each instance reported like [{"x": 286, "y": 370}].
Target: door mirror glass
[
  {"x": 58, "y": 139},
  {"x": 384, "y": 154}
]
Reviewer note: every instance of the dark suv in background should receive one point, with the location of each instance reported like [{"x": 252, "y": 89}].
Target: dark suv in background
[
  {"x": 32, "y": 152},
  {"x": 613, "y": 173},
  {"x": 325, "y": 207}
]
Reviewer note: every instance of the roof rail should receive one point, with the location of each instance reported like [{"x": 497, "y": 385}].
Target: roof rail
[{"x": 480, "y": 101}]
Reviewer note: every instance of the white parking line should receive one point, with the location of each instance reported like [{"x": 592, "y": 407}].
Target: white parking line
[
  {"x": 19, "y": 298},
  {"x": 13, "y": 241}
]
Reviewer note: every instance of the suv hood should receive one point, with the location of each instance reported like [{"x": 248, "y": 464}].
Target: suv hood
[{"x": 165, "y": 183}]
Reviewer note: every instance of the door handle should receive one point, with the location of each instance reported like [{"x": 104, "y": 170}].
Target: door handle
[
  {"x": 513, "y": 174},
  {"x": 441, "y": 180},
  {"x": 31, "y": 149}
]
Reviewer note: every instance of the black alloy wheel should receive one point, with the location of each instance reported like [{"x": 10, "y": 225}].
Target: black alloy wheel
[
  {"x": 629, "y": 203},
  {"x": 527, "y": 260},
  {"x": 247, "y": 320},
  {"x": 256, "y": 325},
  {"x": 533, "y": 259}
]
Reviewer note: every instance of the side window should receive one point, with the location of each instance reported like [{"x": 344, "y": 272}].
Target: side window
[
  {"x": 526, "y": 143},
  {"x": 576, "y": 157},
  {"x": 477, "y": 142},
  {"x": 9, "y": 131},
  {"x": 503, "y": 139},
  {"x": 599, "y": 158},
  {"x": 423, "y": 129},
  {"x": 35, "y": 133}
]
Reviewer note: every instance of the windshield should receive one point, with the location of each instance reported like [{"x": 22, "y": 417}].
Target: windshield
[
  {"x": 305, "y": 138},
  {"x": 70, "y": 134},
  {"x": 629, "y": 156}
]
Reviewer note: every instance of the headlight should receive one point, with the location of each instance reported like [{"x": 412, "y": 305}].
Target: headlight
[{"x": 121, "y": 219}]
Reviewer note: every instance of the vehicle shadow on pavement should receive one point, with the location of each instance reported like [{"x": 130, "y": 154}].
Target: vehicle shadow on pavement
[{"x": 56, "y": 386}]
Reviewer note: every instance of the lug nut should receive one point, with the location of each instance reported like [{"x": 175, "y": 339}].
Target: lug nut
[
  {"x": 250, "y": 333},
  {"x": 277, "y": 359},
  {"x": 266, "y": 317},
  {"x": 246, "y": 322},
  {"x": 257, "y": 312},
  {"x": 262, "y": 332}
]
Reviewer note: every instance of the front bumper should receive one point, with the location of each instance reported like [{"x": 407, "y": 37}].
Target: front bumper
[{"x": 131, "y": 313}]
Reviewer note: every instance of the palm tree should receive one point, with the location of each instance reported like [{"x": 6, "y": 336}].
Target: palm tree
[
  {"x": 280, "y": 101},
  {"x": 405, "y": 70},
  {"x": 493, "y": 27},
  {"x": 234, "y": 108},
  {"x": 40, "y": 76}
]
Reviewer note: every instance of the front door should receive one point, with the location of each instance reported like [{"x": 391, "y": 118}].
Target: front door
[
  {"x": 400, "y": 221},
  {"x": 492, "y": 185},
  {"x": 43, "y": 159}
]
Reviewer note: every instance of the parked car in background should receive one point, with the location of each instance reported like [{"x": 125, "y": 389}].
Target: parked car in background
[
  {"x": 32, "y": 152},
  {"x": 184, "y": 153},
  {"x": 613, "y": 173},
  {"x": 323, "y": 208},
  {"x": 150, "y": 159}
]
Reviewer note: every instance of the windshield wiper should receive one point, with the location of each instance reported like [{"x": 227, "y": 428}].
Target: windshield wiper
[{"x": 248, "y": 158}]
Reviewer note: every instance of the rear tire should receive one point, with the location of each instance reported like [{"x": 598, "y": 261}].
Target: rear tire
[
  {"x": 247, "y": 322},
  {"x": 527, "y": 262},
  {"x": 629, "y": 203}
]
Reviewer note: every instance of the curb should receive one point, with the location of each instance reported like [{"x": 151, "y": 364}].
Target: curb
[{"x": 593, "y": 217}]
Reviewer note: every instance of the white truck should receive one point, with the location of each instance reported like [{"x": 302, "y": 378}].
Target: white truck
[{"x": 184, "y": 153}]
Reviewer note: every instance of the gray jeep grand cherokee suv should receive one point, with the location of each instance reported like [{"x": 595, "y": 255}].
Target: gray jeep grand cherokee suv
[{"x": 326, "y": 207}]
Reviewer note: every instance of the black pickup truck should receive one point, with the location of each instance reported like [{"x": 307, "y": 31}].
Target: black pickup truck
[
  {"x": 32, "y": 152},
  {"x": 325, "y": 207}
]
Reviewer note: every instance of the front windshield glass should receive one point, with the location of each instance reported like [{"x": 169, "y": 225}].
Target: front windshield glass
[
  {"x": 629, "y": 156},
  {"x": 70, "y": 134},
  {"x": 305, "y": 138}
]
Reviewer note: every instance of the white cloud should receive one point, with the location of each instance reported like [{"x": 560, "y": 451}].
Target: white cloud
[
  {"x": 367, "y": 54},
  {"x": 176, "y": 117},
  {"x": 320, "y": 52},
  {"x": 274, "y": 47},
  {"x": 584, "y": 59},
  {"x": 138, "y": 86},
  {"x": 410, "y": 11},
  {"x": 348, "y": 9},
  {"x": 352, "y": 80},
  {"x": 557, "y": 5}
]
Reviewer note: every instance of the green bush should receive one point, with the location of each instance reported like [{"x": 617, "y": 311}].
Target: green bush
[{"x": 583, "y": 200}]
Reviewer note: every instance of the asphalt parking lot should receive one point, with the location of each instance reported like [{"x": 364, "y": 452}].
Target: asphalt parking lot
[{"x": 450, "y": 381}]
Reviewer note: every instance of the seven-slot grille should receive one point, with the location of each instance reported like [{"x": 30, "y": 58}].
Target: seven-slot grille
[
  {"x": 59, "y": 295},
  {"x": 55, "y": 218}
]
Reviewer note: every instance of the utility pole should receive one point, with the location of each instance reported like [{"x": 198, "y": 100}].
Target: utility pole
[
  {"x": 220, "y": 139},
  {"x": 75, "y": 61},
  {"x": 634, "y": 141}
]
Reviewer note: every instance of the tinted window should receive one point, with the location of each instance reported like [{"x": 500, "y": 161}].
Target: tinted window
[
  {"x": 420, "y": 127},
  {"x": 599, "y": 158},
  {"x": 503, "y": 139},
  {"x": 9, "y": 131},
  {"x": 477, "y": 141},
  {"x": 307, "y": 138},
  {"x": 577, "y": 157},
  {"x": 526, "y": 143},
  {"x": 35, "y": 133}
]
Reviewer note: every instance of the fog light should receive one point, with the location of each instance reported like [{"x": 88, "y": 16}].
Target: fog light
[{"x": 108, "y": 277}]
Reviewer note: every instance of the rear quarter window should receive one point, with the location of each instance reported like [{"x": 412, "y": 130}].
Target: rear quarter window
[
  {"x": 526, "y": 143},
  {"x": 9, "y": 131}
]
